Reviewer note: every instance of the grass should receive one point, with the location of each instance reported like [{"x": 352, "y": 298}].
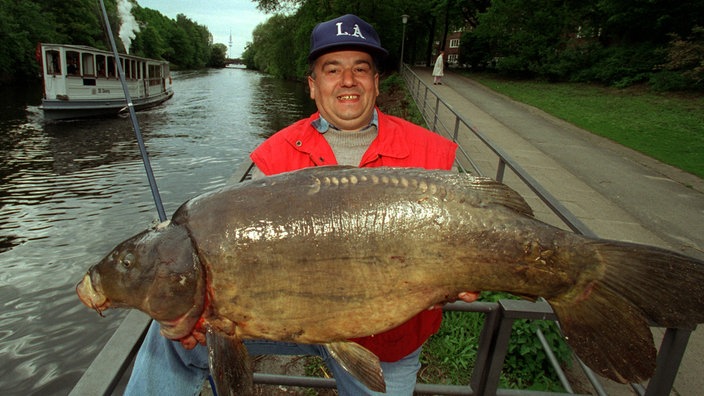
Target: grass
[
  {"x": 449, "y": 356},
  {"x": 665, "y": 126}
]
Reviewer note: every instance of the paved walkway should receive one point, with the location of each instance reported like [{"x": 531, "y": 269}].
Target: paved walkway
[{"x": 617, "y": 192}]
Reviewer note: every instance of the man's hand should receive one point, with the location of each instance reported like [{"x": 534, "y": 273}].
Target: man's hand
[
  {"x": 464, "y": 296},
  {"x": 469, "y": 296},
  {"x": 190, "y": 341}
]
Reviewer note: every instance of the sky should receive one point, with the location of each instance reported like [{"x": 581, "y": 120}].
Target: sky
[{"x": 221, "y": 17}]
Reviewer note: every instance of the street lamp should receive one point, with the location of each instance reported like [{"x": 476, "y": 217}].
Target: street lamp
[{"x": 404, "y": 19}]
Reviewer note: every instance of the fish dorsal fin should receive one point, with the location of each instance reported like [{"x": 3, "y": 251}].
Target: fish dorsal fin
[
  {"x": 498, "y": 193},
  {"x": 230, "y": 366},
  {"x": 360, "y": 362}
]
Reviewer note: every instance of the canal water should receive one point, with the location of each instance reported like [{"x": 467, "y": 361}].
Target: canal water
[{"x": 70, "y": 191}]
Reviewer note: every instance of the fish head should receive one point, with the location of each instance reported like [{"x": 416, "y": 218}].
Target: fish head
[{"x": 156, "y": 271}]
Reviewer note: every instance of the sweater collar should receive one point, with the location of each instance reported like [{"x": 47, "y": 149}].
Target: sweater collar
[{"x": 322, "y": 125}]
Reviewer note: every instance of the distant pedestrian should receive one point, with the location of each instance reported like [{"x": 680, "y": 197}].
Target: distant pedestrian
[{"x": 438, "y": 69}]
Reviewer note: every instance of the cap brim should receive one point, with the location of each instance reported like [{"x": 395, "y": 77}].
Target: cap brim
[{"x": 376, "y": 52}]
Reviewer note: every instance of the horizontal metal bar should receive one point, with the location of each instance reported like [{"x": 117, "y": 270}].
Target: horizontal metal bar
[{"x": 420, "y": 389}]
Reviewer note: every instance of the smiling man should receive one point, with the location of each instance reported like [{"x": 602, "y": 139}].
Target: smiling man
[{"x": 347, "y": 129}]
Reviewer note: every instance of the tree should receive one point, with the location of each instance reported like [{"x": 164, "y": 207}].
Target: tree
[
  {"x": 81, "y": 20},
  {"x": 22, "y": 26},
  {"x": 218, "y": 55}
]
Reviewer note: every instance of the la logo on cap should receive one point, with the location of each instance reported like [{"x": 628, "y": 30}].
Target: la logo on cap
[
  {"x": 349, "y": 32},
  {"x": 356, "y": 33}
]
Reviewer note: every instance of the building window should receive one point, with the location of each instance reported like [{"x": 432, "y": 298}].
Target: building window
[
  {"x": 454, "y": 43},
  {"x": 453, "y": 59}
]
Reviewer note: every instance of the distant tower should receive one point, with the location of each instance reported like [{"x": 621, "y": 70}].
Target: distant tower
[{"x": 230, "y": 52}]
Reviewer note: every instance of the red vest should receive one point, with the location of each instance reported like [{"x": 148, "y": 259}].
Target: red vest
[{"x": 399, "y": 143}]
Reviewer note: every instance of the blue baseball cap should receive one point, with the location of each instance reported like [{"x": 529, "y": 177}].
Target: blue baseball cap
[{"x": 345, "y": 32}]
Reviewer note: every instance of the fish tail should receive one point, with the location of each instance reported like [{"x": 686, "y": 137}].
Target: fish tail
[{"x": 607, "y": 323}]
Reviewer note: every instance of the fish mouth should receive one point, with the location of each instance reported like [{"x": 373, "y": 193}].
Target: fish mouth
[{"x": 90, "y": 296}]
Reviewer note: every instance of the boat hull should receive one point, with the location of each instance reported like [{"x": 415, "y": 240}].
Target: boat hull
[{"x": 57, "y": 110}]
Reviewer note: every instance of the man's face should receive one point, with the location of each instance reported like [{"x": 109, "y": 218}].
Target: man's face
[{"x": 344, "y": 85}]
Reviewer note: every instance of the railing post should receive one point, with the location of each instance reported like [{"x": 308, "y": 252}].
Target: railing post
[
  {"x": 436, "y": 116},
  {"x": 500, "y": 170},
  {"x": 487, "y": 340},
  {"x": 497, "y": 355},
  {"x": 672, "y": 348},
  {"x": 456, "y": 132}
]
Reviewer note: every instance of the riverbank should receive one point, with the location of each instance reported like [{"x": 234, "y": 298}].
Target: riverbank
[{"x": 666, "y": 126}]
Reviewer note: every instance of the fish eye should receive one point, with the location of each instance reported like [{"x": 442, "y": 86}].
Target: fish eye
[{"x": 127, "y": 260}]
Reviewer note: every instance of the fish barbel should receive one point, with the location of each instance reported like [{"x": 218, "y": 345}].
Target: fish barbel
[{"x": 322, "y": 255}]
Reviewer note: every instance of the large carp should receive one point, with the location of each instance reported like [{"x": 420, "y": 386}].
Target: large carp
[{"x": 323, "y": 255}]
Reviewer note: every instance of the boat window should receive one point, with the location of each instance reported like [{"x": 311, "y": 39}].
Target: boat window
[
  {"x": 133, "y": 68},
  {"x": 87, "y": 64},
  {"x": 154, "y": 75},
  {"x": 111, "y": 66},
  {"x": 127, "y": 68},
  {"x": 72, "y": 66},
  {"x": 100, "y": 65},
  {"x": 53, "y": 63}
]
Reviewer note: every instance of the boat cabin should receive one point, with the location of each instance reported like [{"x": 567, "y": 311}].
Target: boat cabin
[{"x": 81, "y": 81}]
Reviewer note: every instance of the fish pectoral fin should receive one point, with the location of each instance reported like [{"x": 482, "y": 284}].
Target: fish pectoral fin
[
  {"x": 230, "y": 365},
  {"x": 360, "y": 362}
]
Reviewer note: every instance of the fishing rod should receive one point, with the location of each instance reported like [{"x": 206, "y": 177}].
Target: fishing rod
[
  {"x": 133, "y": 117},
  {"x": 138, "y": 133}
]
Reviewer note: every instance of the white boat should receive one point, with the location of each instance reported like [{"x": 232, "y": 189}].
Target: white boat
[{"x": 82, "y": 81}]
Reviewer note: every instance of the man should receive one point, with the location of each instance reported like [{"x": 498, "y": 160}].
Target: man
[{"x": 347, "y": 129}]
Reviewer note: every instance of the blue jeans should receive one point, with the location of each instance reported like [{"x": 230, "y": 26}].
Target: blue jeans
[{"x": 164, "y": 367}]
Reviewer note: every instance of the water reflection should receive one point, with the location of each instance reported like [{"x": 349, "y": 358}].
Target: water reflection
[
  {"x": 70, "y": 191},
  {"x": 277, "y": 96}
]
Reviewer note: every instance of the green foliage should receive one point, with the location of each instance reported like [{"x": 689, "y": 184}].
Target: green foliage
[
  {"x": 273, "y": 47},
  {"x": 22, "y": 26},
  {"x": 218, "y": 54},
  {"x": 395, "y": 99},
  {"x": 614, "y": 42},
  {"x": 77, "y": 21},
  {"x": 449, "y": 355},
  {"x": 622, "y": 66},
  {"x": 684, "y": 68},
  {"x": 475, "y": 51}
]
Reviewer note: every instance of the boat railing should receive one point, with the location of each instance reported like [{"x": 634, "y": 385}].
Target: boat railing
[{"x": 113, "y": 362}]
